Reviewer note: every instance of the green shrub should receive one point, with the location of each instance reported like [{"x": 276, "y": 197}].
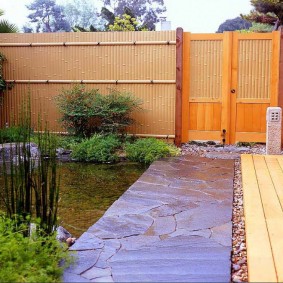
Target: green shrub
[
  {"x": 67, "y": 142},
  {"x": 149, "y": 149},
  {"x": 85, "y": 112},
  {"x": 99, "y": 148},
  {"x": 29, "y": 259},
  {"x": 12, "y": 134}
]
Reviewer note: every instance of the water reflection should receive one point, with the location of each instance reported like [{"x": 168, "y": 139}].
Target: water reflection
[{"x": 87, "y": 190}]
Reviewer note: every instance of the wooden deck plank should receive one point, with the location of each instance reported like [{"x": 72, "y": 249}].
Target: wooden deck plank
[
  {"x": 260, "y": 259},
  {"x": 275, "y": 221}
]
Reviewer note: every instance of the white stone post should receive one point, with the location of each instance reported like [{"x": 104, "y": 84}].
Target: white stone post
[{"x": 273, "y": 130}]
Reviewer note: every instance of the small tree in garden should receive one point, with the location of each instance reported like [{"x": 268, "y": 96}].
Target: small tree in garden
[{"x": 85, "y": 112}]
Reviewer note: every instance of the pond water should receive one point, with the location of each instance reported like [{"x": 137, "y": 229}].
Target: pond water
[{"x": 87, "y": 191}]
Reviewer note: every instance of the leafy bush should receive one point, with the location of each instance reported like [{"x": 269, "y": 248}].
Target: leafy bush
[
  {"x": 86, "y": 111},
  {"x": 67, "y": 142},
  {"x": 99, "y": 148},
  {"x": 149, "y": 149},
  {"x": 29, "y": 259},
  {"x": 12, "y": 134}
]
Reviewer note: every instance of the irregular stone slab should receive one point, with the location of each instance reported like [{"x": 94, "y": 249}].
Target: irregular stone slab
[
  {"x": 173, "y": 278},
  {"x": 123, "y": 207},
  {"x": 222, "y": 234},
  {"x": 87, "y": 241},
  {"x": 152, "y": 271},
  {"x": 162, "y": 226},
  {"x": 165, "y": 253},
  {"x": 206, "y": 215},
  {"x": 138, "y": 242},
  {"x": 103, "y": 279},
  {"x": 95, "y": 272},
  {"x": 173, "y": 208},
  {"x": 116, "y": 227},
  {"x": 155, "y": 179},
  {"x": 206, "y": 233},
  {"x": 84, "y": 260},
  {"x": 71, "y": 277}
]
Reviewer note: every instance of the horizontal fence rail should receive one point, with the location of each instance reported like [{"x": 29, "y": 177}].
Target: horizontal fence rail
[
  {"x": 92, "y": 81},
  {"x": 98, "y": 43}
]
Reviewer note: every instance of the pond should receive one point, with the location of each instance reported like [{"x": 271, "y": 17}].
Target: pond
[{"x": 88, "y": 190}]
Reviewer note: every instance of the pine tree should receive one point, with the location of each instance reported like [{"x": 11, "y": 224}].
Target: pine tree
[{"x": 266, "y": 12}]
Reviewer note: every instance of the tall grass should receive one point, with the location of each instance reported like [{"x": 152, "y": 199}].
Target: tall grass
[{"x": 30, "y": 190}]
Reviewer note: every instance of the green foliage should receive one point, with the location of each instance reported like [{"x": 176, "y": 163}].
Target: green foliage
[
  {"x": 99, "y": 149},
  {"x": 67, "y": 141},
  {"x": 85, "y": 112},
  {"x": 31, "y": 183},
  {"x": 5, "y": 26},
  {"x": 29, "y": 259},
  {"x": 126, "y": 23},
  {"x": 234, "y": 24},
  {"x": 146, "y": 12},
  {"x": 266, "y": 12},
  {"x": 149, "y": 149},
  {"x": 47, "y": 16},
  {"x": 81, "y": 13},
  {"x": 12, "y": 134},
  {"x": 258, "y": 27}
]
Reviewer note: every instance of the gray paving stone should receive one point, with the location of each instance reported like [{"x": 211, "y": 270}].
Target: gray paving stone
[
  {"x": 71, "y": 277},
  {"x": 84, "y": 260},
  {"x": 115, "y": 227},
  {"x": 206, "y": 215},
  {"x": 123, "y": 206},
  {"x": 172, "y": 225},
  {"x": 103, "y": 279},
  {"x": 96, "y": 272},
  {"x": 87, "y": 241},
  {"x": 162, "y": 225},
  {"x": 222, "y": 234}
]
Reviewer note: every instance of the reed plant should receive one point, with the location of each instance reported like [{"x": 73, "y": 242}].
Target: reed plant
[{"x": 30, "y": 189}]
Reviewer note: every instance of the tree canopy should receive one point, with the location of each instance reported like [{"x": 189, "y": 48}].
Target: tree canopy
[
  {"x": 266, "y": 12},
  {"x": 126, "y": 23},
  {"x": 234, "y": 24},
  {"x": 47, "y": 16},
  {"x": 147, "y": 12},
  {"x": 82, "y": 14}
]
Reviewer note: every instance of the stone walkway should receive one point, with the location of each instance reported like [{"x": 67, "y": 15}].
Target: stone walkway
[{"x": 172, "y": 225}]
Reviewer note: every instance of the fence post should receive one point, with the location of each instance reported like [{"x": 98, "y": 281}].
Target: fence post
[
  {"x": 280, "y": 85},
  {"x": 179, "y": 86}
]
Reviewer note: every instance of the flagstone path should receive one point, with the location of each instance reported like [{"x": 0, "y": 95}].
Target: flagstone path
[{"x": 172, "y": 225}]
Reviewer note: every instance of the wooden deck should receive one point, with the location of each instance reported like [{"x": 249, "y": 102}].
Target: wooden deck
[{"x": 262, "y": 177}]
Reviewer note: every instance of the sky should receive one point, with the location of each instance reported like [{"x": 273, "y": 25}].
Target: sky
[{"x": 196, "y": 16}]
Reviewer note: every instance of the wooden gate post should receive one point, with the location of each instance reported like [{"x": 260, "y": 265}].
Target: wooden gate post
[
  {"x": 280, "y": 85},
  {"x": 179, "y": 86}
]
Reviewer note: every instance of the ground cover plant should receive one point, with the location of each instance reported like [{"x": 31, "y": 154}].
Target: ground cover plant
[
  {"x": 149, "y": 149},
  {"x": 29, "y": 196},
  {"x": 29, "y": 259},
  {"x": 99, "y": 148},
  {"x": 85, "y": 112}
]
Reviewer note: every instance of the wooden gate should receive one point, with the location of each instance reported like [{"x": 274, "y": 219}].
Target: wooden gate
[{"x": 228, "y": 82}]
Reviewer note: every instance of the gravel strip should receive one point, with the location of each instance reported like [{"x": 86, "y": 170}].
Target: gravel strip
[{"x": 239, "y": 253}]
